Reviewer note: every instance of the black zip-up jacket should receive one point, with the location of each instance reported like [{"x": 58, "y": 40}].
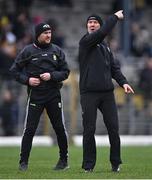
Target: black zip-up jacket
[
  {"x": 96, "y": 62},
  {"x": 33, "y": 61}
]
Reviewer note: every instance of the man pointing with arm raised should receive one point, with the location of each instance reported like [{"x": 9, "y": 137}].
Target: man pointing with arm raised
[{"x": 97, "y": 69}]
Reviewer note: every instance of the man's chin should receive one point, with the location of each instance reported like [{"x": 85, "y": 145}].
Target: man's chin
[
  {"x": 47, "y": 42},
  {"x": 91, "y": 31}
]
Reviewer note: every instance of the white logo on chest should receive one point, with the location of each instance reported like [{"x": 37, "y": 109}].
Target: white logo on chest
[
  {"x": 108, "y": 49},
  {"x": 44, "y": 54},
  {"x": 54, "y": 57},
  {"x": 59, "y": 104},
  {"x": 34, "y": 59}
]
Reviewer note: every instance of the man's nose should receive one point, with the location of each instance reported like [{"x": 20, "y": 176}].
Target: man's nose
[{"x": 49, "y": 35}]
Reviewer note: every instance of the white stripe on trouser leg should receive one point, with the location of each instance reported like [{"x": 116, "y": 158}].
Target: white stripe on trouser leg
[
  {"x": 63, "y": 121},
  {"x": 27, "y": 109}
]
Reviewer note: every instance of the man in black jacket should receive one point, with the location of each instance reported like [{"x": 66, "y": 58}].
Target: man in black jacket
[
  {"x": 97, "y": 68},
  {"x": 42, "y": 67}
]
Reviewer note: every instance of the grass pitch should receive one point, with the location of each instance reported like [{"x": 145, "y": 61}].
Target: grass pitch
[{"x": 137, "y": 164}]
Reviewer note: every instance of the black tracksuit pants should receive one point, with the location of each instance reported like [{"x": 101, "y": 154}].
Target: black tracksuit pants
[
  {"x": 105, "y": 102},
  {"x": 34, "y": 111}
]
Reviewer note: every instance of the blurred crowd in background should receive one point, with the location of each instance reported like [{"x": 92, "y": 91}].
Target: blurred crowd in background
[{"x": 67, "y": 19}]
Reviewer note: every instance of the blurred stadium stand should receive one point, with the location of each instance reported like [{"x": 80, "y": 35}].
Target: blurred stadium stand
[{"x": 70, "y": 22}]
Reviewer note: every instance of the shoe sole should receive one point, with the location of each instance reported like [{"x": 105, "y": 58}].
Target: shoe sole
[
  {"x": 68, "y": 167},
  {"x": 88, "y": 171},
  {"x": 116, "y": 170},
  {"x": 21, "y": 169}
]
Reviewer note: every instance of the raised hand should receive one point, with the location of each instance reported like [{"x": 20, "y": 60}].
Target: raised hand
[{"x": 119, "y": 14}]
